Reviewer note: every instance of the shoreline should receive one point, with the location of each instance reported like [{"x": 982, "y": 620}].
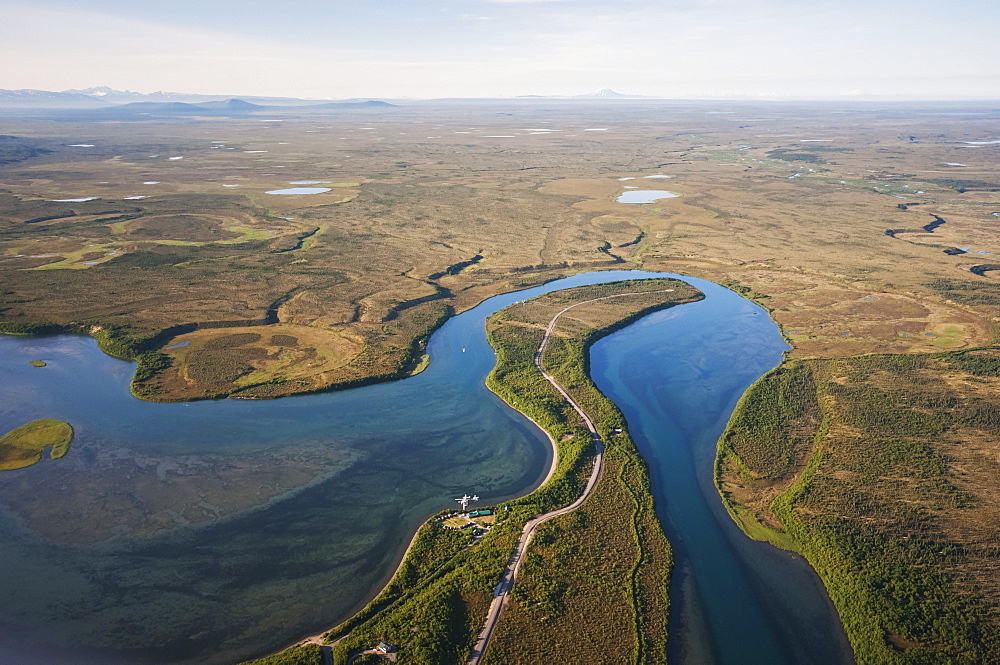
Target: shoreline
[
  {"x": 553, "y": 444},
  {"x": 318, "y": 638},
  {"x": 543, "y": 477}
]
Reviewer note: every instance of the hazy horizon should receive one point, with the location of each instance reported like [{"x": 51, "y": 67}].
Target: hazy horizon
[{"x": 704, "y": 49}]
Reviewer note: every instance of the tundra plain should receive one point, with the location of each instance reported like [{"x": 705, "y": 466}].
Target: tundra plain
[{"x": 863, "y": 228}]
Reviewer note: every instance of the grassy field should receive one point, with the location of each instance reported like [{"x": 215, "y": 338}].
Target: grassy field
[
  {"x": 309, "y": 654},
  {"x": 392, "y": 246},
  {"x": 221, "y": 361},
  {"x": 23, "y": 446},
  {"x": 595, "y": 580},
  {"x": 882, "y": 471},
  {"x": 436, "y": 603}
]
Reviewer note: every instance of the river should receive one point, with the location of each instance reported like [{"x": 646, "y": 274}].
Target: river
[
  {"x": 201, "y": 532},
  {"x": 677, "y": 375}
]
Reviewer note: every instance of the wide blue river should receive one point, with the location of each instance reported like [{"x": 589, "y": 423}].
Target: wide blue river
[{"x": 209, "y": 532}]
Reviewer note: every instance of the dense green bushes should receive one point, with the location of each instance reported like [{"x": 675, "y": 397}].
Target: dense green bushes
[
  {"x": 309, "y": 654},
  {"x": 968, "y": 292},
  {"x": 868, "y": 509},
  {"x": 435, "y": 605},
  {"x": 769, "y": 426}
]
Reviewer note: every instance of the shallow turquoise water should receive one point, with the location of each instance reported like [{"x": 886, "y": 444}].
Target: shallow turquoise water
[{"x": 200, "y": 532}]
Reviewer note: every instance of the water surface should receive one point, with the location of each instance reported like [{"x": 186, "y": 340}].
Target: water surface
[
  {"x": 677, "y": 376},
  {"x": 210, "y": 532},
  {"x": 645, "y": 196},
  {"x": 299, "y": 190},
  {"x": 207, "y": 532}
]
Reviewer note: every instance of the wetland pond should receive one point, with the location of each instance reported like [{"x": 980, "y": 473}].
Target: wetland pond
[
  {"x": 211, "y": 532},
  {"x": 291, "y": 191},
  {"x": 645, "y": 196}
]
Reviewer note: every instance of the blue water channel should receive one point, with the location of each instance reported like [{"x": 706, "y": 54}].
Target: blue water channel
[
  {"x": 209, "y": 532},
  {"x": 677, "y": 375}
]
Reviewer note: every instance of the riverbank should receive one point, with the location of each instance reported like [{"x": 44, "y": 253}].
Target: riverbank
[
  {"x": 596, "y": 580},
  {"x": 677, "y": 375},
  {"x": 443, "y": 585},
  {"x": 857, "y": 464}
]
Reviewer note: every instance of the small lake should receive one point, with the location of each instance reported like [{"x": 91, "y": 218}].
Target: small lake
[
  {"x": 210, "y": 532},
  {"x": 645, "y": 196},
  {"x": 300, "y": 190}
]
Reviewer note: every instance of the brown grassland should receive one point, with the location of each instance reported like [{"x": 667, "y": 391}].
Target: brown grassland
[
  {"x": 414, "y": 228},
  {"x": 870, "y": 232}
]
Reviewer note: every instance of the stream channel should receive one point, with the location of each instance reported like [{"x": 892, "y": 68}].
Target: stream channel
[{"x": 200, "y": 532}]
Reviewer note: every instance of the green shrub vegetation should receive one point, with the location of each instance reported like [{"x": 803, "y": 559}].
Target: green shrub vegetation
[
  {"x": 878, "y": 505},
  {"x": 308, "y": 654},
  {"x": 795, "y": 156},
  {"x": 968, "y": 292},
  {"x": 745, "y": 291},
  {"x": 595, "y": 581},
  {"x": 961, "y": 186},
  {"x": 24, "y": 445},
  {"x": 369, "y": 659},
  {"x": 597, "y": 576}
]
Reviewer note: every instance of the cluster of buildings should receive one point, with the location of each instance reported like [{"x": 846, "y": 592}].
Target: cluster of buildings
[{"x": 467, "y": 520}]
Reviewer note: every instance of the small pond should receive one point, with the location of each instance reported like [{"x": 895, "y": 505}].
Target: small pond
[{"x": 645, "y": 196}]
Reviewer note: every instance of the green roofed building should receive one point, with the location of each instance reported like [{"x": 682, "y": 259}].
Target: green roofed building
[{"x": 480, "y": 513}]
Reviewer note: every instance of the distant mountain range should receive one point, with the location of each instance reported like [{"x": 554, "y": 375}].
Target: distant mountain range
[
  {"x": 111, "y": 96},
  {"x": 604, "y": 93},
  {"x": 127, "y": 102},
  {"x": 608, "y": 93},
  {"x": 163, "y": 103},
  {"x": 227, "y": 108}
]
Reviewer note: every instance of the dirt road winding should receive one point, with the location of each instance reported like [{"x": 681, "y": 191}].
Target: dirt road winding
[{"x": 501, "y": 596}]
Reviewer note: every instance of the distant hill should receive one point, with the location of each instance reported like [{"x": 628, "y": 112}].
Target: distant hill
[
  {"x": 159, "y": 103},
  {"x": 352, "y": 105},
  {"x": 608, "y": 93},
  {"x": 45, "y": 99},
  {"x": 145, "y": 110},
  {"x": 230, "y": 105},
  {"x": 604, "y": 93},
  {"x": 227, "y": 109},
  {"x": 111, "y": 96}
]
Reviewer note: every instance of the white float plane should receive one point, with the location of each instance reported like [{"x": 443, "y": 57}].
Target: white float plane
[{"x": 465, "y": 501}]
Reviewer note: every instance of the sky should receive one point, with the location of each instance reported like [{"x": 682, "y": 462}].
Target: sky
[{"x": 331, "y": 49}]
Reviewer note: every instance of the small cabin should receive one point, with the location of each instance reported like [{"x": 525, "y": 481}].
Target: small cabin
[{"x": 385, "y": 647}]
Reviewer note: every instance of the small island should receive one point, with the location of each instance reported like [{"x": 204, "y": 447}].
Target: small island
[
  {"x": 24, "y": 445},
  {"x": 38, "y": 363}
]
